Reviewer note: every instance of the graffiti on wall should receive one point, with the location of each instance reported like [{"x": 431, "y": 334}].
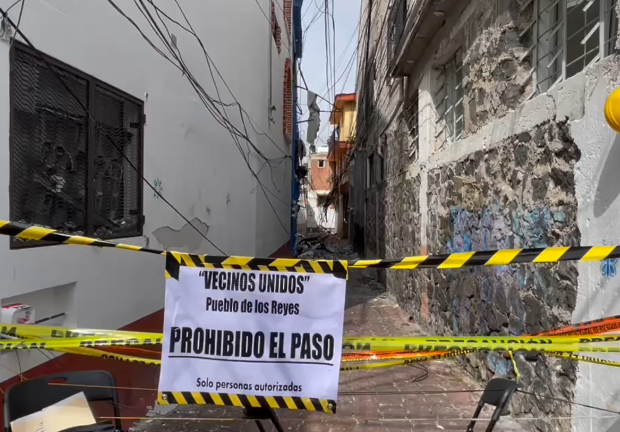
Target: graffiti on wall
[
  {"x": 158, "y": 188},
  {"x": 608, "y": 267},
  {"x": 496, "y": 227}
]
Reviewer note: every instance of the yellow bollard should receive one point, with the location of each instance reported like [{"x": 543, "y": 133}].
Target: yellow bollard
[{"x": 612, "y": 110}]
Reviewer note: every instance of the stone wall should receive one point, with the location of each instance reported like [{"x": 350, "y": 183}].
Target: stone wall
[
  {"x": 520, "y": 194},
  {"x": 508, "y": 183}
]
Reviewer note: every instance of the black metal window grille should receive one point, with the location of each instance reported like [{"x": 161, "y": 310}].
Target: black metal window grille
[{"x": 67, "y": 172}]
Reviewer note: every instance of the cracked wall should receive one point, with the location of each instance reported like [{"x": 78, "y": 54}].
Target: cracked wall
[{"x": 190, "y": 237}]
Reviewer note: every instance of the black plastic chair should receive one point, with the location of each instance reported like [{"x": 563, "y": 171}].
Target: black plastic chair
[
  {"x": 33, "y": 395},
  {"x": 498, "y": 393}
]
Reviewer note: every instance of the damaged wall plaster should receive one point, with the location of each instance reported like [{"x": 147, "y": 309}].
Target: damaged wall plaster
[{"x": 184, "y": 239}]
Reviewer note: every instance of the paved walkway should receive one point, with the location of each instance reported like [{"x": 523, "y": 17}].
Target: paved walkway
[{"x": 370, "y": 311}]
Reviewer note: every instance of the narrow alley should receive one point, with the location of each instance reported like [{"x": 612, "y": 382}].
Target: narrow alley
[{"x": 215, "y": 206}]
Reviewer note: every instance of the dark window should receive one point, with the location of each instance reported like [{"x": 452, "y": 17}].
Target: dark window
[
  {"x": 411, "y": 123},
  {"x": 398, "y": 21},
  {"x": 322, "y": 163},
  {"x": 67, "y": 171},
  {"x": 276, "y": 31},
  {"x": 370, "y": 172}
]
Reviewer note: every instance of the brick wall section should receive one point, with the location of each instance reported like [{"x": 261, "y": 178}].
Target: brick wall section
[
  {"x": 287, "y": 106},
  {"x": 320, "y": 176},
  {"x": 288, "y": 14}
]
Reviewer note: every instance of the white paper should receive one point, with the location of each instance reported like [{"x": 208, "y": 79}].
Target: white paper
[
  {"x": 298, "y": 355},
  {"x": 71, "y": 412}
]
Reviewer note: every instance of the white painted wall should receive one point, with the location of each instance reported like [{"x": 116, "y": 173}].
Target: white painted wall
[
  {"x": 598, "y": 192},
  {"x": 202, "y": 172}
]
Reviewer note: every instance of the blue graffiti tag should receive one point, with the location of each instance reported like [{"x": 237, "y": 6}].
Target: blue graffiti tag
[
  {"x": 608, "y": 267},
  {"x": 158, "y": 187}
]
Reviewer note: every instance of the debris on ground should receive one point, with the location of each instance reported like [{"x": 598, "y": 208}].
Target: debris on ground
[{"x": 321, "y": 244}]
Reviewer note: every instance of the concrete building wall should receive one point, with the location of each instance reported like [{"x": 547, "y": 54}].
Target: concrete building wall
[
  {"x": 529, "y": 169},
  {"x": 196, "y": 163}
]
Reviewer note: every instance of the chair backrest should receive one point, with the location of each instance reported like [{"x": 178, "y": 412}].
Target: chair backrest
[
  {"x": 33, "y": 395},
  {"x": 497, "y": 393}
]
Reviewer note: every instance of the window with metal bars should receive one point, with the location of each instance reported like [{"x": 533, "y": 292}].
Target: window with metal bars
[
  {"x": 568, "y": 36},
  {"x": 370, "y": 171},
  {"x": 449, "y": 99},
  {"x": 398, "y": 19},
  {"x": 410, "y": 122},
  {"x": 67, "y": 170}
]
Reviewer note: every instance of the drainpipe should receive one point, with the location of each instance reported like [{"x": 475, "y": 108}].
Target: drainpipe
[
  {"x": 294, "y": 182},
  {"x": 270, "y": 66}
]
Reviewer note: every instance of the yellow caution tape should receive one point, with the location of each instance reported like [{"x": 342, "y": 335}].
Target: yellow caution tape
[
  {"x": 93, "y": 342},
  {"x": 109, "y": 356},
  {"x": 38, "y": 332},
  {"x": 422, "y": 344},
  {"x": 488, "y": 345},
  {"x": 577, "y": 357}
]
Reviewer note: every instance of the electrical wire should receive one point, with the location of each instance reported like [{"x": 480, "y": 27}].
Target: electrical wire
[
  {"x": 102, "y": 130},
  {"x": 19, "y": 19},
  {"x": 209, "y": 63},
  {"x": 288, "y": 47},
  {"x": 209, "y": 102}
]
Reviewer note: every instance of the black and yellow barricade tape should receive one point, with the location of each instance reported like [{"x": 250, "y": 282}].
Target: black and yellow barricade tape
[
  {"x": 493, "y": 258},
  {"x": 176, "y": 260},
  {"x": 337, "y": 268},
  {"x": 447, "y": 261},
  {"x": 239, "y": 400},
  {"x": 26, "y": 232}
]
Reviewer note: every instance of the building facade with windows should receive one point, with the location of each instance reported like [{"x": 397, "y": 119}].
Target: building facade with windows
[
  {"x": 342, "y": 119},
  {"x": 481, "y": 127},
  {"x": 166, "y": 145}
]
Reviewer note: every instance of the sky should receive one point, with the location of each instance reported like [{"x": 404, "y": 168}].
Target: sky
[{"x": 313, "y": 63}]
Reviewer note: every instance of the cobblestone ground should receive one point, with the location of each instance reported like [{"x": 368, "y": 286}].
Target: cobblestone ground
[{"x": 369, "y": 311}]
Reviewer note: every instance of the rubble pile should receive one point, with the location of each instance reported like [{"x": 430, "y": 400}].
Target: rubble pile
[{"x": 320, "y": 244}]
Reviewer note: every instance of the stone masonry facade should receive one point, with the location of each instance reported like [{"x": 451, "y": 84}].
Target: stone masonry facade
[{"x": 482, "y": 190}]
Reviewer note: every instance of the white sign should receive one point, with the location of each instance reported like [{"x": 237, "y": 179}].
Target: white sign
[{"x": 253, "y": 333}]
